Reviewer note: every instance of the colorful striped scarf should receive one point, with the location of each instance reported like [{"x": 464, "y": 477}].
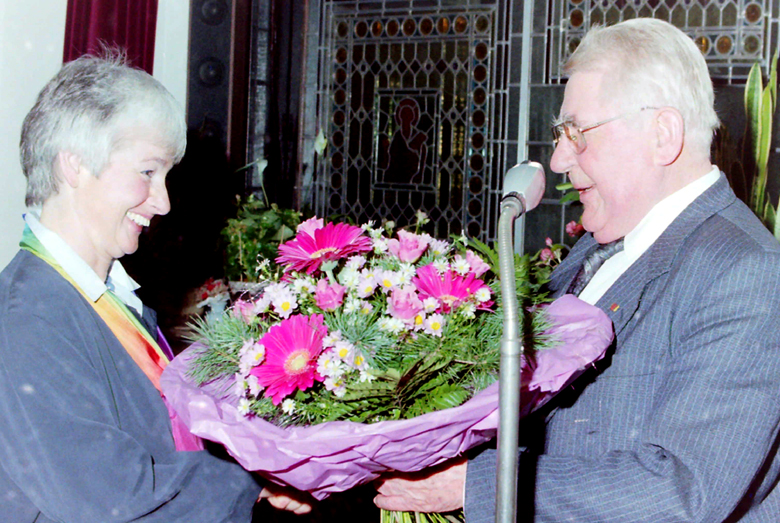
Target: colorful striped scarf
[{"x": 139, "y": 343}]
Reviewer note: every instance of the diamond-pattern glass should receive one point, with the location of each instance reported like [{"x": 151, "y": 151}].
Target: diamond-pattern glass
[{"x": 407, "y": 100}]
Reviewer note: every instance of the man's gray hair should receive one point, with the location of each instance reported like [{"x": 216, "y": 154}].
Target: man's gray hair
[
  {"x": 648, "y": 62},
  {"x": 87, "y": 109}
]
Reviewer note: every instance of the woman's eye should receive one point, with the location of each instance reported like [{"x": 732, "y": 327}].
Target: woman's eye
[{"x": 148, "y": 173}]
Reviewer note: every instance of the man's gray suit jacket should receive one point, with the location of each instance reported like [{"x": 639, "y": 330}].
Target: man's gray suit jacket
[{"x": 681, "y": 421}]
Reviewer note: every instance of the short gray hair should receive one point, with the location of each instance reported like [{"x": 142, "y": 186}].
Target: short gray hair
[
  {"x": 649, "y": 62},
  {"x": 86, "y": 109}
]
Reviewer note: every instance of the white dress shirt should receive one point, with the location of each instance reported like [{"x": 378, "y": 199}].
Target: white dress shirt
[
  {"x": 645, "y": 234},
  {"x": 118, "y": 280}
]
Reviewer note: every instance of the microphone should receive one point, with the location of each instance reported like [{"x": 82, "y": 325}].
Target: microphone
[{"x": 525, "y": 181}]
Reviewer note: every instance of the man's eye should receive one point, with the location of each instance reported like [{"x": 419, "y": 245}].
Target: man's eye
[{"x": 148, "y": 172}]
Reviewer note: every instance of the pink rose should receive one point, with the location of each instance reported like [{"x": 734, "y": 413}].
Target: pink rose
[
  {"x": 244, "y": 310},
  {"x": 404, "y": 303},
  {"x": 478, "y": 266},
  {"x": 574, "y": 229},
  {"x": 408, "y": 247},
  {"x": 329, "y": 297},
  {"x": 546, "y": 254}
]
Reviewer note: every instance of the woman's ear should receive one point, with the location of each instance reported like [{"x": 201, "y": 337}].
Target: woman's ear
[
  {"x": 68, "y": 168},
  {"x": 669, "y": 134}
]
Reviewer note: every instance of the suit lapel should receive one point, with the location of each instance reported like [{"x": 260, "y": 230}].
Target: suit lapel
[
  {"x": 623, "y": 301},
  {"x": 564, "y": 274}
]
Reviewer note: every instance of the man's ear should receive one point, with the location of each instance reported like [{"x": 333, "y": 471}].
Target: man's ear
[
  {"x": 669, "y": 135},
  {"x": 69, "y": 167}
]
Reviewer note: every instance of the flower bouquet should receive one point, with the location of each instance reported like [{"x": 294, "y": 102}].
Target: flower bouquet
[{"x": 369, "y": 352}]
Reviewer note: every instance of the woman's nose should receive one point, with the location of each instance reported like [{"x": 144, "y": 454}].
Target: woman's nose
[{"x": 158, "y": 196}]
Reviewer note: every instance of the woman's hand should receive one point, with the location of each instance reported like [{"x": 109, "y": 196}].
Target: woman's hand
[
  {"x": 284, "y": 498},
  {"x": 437, "y": 489}
]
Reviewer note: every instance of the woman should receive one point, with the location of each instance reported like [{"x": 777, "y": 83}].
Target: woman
[{"x": 85, "y": 434}]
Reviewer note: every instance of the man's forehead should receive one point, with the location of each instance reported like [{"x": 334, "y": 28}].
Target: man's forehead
[{"x": 581, "y": 97}]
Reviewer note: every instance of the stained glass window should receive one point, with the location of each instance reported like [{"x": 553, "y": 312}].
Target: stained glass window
[
  {"x": 419, "y": 99},
  {"x": 413, "y": 103},
  {"x": 732, "y": 34}
]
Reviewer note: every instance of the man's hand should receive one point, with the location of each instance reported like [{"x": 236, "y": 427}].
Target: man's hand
[
  {"x": 437, "y": 489},
  {"x": 284, "y": 498}
]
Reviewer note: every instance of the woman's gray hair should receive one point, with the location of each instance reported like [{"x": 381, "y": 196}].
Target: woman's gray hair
[
  {"x": 87, "y": 109},
  {"x": 648, "y": 62}
]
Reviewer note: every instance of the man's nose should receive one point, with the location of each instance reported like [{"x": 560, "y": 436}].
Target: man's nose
[{"x": 563, "y": 157}]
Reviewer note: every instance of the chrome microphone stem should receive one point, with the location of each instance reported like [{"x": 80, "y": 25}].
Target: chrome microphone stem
[{"x": 509, "y": 379}]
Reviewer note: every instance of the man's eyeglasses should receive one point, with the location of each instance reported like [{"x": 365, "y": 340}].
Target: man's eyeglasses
[{"x": 576, "y": 134}]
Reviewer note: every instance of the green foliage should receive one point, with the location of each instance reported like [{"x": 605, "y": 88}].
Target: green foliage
[
  {"x": 254, "y": 235},
  {"x": 421, "y": 517},
  {"x": 412, "y": 373},
  {"x": 531, "y": 273},
  {"x": 220, "y": 345},
  {"x": 760, "y": 104},
  {"x": 570, "y": 194},
  {"x": 751, "y": 168},
  {"x": 363, "y": 331}
]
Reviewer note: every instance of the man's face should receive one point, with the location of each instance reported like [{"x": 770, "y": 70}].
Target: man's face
[{"x": 615, "y": 175}]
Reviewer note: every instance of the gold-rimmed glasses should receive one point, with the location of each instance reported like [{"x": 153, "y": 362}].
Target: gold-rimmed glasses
[{"x": 576, "y": 134}]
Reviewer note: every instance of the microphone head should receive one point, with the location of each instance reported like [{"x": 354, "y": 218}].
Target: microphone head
[{"x": 525, "y": 180}]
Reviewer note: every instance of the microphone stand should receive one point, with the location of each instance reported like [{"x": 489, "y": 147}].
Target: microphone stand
[
  {"x": 509, "y": 382},
  {"x": 514, "y": 205}
]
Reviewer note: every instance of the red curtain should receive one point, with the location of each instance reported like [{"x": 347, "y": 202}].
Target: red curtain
[{"x": 127, "y": 24}]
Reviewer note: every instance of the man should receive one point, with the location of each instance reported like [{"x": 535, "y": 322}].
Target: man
[{"x": 681, "y": 423}]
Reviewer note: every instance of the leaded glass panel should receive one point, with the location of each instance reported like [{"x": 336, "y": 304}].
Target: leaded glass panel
[
  {"x": 732, "y": 34},
  {"x": 408, "y": 102}
]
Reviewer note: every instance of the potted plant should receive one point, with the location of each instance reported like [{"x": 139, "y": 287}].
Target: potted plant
[{"x": 254, "y": 236}]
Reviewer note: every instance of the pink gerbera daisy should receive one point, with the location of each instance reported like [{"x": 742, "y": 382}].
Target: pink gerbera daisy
[
  {"x": 291, "y": 351},
  {"x": 309, "y": 249},
  {"x": 449, "y": 288}
]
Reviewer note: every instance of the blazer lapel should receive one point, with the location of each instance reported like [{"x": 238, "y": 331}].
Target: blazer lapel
[
  {"x": 563, "y": 275},
  {"x": 623, "y": 301}
]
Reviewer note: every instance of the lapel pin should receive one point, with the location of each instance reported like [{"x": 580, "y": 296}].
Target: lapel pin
[{"x": 614, "y": 307}]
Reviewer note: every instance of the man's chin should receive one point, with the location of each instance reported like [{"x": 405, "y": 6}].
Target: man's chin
[
  {"x": 605, "y": 238},
  {"x": 601, "y": 235}
]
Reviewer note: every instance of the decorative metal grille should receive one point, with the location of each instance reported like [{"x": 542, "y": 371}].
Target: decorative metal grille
[
  {"x": 732, "y": 34},
  {"x": 408, "y": 101}
]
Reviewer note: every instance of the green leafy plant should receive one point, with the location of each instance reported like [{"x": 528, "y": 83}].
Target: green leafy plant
[
  {"x": 570, "y": 195},
  {"x": 747, "y": 165},
  {"x": 254, "y": 235},
  {"x": 760, "y": 103}
]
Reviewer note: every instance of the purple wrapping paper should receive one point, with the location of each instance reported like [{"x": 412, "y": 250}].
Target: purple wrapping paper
[{"x": 336, "y": 456}]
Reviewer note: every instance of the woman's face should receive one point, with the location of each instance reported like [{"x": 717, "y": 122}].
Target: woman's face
[{"x": 115, "y": 206}]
